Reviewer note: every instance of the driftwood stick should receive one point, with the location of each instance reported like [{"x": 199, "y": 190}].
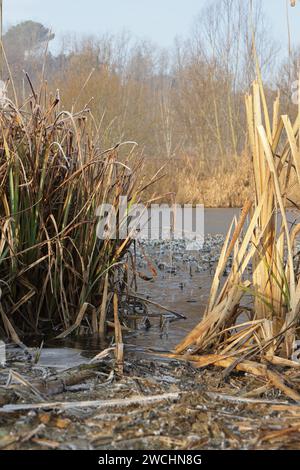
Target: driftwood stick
[
  {"x": 54, "y": 385},
  {"x": 235, "y": 399},
  {"x": 99, "y": 404},
  {"x": 161, "y": 307}
]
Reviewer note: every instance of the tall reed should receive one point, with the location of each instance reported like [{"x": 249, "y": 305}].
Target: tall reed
[
  {"x": 266, "y": 245},
  {"x": 54, "y": 176}
]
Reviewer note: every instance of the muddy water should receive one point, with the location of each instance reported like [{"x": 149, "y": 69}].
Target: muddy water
[
  {"x": 184, "y": 291},
  {"x": 184, "y": 424},
  {"x": 218, "y": 220}
]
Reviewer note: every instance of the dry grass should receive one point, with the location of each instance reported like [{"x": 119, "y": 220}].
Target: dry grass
[
  {"x": 267, "y": 245},
  {"x": 223, "y": 184},
  {"x": 220, "y": 184},
  {"x": 54, "y": 176}
]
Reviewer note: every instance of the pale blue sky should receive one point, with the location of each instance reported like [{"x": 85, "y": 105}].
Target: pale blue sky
[{"x": 158, "y": 20}]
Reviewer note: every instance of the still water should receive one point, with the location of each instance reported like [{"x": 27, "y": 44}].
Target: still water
[{"x": 185, "y": 291}]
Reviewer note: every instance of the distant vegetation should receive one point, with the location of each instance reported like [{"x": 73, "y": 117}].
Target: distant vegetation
[{"x": 184, "y": 106}]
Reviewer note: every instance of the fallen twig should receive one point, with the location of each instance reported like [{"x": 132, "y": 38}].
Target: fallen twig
[
  {"x": 235, "y": 399},
  {"x": 161, "y": 307},
  {"x": 100, "y": 404},
  {"x": 54, "y": 385}
]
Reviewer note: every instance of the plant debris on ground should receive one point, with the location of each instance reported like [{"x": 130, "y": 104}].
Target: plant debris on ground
[{"x": 193, "y": 409}]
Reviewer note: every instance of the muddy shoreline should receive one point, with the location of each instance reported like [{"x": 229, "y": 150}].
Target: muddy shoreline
[
  {"x": 193, "y": 409},
  {"x": 57, "y": 399}
]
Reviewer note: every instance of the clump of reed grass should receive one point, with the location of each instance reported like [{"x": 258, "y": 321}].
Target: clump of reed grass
[
  {"x": 266, "y": 245},
  {"x": 54, "y": 176}
]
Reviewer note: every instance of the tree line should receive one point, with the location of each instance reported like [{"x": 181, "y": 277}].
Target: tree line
[{"x": 184, "y": 105}]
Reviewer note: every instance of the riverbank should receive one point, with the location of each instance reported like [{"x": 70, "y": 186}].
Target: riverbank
[
  {"x": 73, "y": 394},
  {"x": 155, "y": 404}
]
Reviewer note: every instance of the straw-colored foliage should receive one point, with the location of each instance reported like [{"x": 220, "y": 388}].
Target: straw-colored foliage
[
  {"x": 265, "y": 245},
  {"x": 54, "y": 176}
]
